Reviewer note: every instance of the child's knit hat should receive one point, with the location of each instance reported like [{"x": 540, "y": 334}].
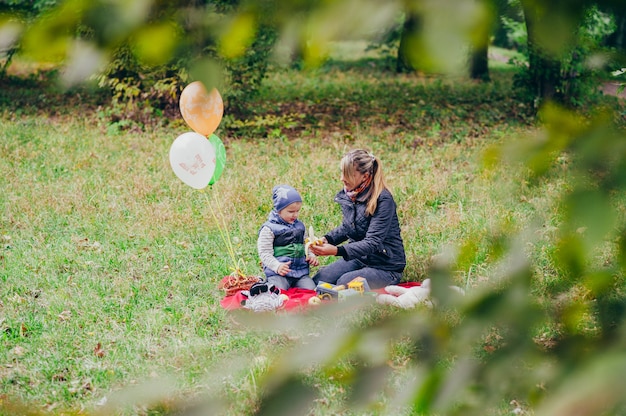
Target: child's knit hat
[{"x": 283, "y": 196}]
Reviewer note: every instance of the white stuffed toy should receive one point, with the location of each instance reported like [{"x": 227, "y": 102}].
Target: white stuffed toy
[
  {"x": 406, "y": 297},
  {"x": 410, "y": 297}
]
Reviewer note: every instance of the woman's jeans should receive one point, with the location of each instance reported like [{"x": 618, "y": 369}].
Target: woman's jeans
[{"x": 341, "y": 272}]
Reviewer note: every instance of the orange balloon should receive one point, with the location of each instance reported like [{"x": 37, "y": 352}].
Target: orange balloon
[{"x": 201, "y": 110}]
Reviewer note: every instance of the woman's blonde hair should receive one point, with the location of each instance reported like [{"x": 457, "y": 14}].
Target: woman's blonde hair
[{"x": 362, "y": 161}]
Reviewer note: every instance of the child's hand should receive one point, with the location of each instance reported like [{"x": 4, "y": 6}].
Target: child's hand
[
  {"x": 283, "y": 269},
  {"x": 312, "y": 260}
]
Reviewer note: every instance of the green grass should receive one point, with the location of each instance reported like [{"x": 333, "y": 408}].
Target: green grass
[{"x": 109, "y": 264}]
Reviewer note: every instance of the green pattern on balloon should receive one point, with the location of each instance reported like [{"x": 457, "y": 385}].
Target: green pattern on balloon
[{"x": 220, "y": 157}]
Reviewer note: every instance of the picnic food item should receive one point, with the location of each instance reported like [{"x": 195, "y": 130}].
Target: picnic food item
[{"x": 311, "y": 240}]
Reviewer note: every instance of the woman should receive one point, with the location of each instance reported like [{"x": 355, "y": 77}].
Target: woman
[{"x": 374, "y": 248}]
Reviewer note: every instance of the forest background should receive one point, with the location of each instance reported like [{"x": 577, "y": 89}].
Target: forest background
[{"x": 505, "y": 158}]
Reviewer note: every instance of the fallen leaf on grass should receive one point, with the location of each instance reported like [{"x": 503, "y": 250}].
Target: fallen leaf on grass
[
  {"x": 19, "y": 351},
  {"x": 98, "y": 351},
  {"x": 61, "y": 376},
  {"x": 489, "y": 348},
  {"x": 184, "y": 244},
  {"x": 85, "y": 244},
  {"x": 65, "y": 316},
  {"x": 80, "y": 387}
]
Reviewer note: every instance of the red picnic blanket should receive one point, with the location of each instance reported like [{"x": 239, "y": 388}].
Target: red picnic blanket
[{"x": 298, "y": 298}]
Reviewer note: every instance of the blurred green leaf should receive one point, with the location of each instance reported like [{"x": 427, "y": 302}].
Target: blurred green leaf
[
  {"x": 592, "y": 389},
  {"x": 238, "y": 37},
  {"x": 293, "y": 397},
  {"x": 590, "y": 214},
  {"x": 209, "y": 72},
  {"x": 49, "y": 37},
  {"x": 154, "y": 44}
]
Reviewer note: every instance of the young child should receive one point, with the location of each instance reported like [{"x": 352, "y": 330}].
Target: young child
[{"x": 281, "y": 242}]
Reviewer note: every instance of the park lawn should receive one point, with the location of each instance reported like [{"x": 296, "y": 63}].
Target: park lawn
[{"x": 109, "y": 264}]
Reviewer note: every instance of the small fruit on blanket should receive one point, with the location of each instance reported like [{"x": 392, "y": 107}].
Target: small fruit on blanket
[{"x": 314, "y": 300}]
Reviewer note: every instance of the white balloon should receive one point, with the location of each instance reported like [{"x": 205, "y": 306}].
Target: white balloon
[{"x": 192, "y": 157}]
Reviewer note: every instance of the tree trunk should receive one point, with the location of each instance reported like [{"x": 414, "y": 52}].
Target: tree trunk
[
  {"x": 404, "y": 62},
  {"x": 618, "y": 38},
  {"x": 479, "y": 58},
  {"x": 544, "y": 71},
  {"x": 479, "y": 63}
]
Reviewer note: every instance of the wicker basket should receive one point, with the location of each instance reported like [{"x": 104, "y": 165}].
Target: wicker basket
[{"x": 232, "y": 284}]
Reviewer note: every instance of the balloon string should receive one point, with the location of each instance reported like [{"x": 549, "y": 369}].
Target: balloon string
[{"x": 236, "y": 265}]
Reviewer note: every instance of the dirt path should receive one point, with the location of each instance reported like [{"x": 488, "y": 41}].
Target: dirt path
[{"x": 610, "y": 88}]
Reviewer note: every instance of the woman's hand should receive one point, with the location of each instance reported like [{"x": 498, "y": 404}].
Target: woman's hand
[
  {"x": 324, "y": 250},
  {"x": 283, "y": 269}
]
